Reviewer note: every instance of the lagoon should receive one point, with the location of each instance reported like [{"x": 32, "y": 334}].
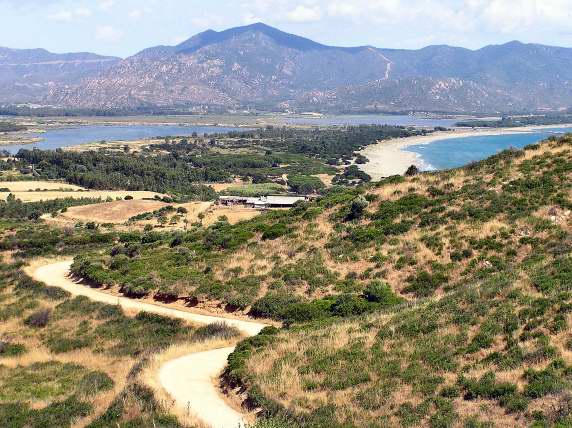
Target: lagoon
[{"x": 66, "y": 137}]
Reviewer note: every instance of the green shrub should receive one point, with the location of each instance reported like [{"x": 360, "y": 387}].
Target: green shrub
[
  {"x": 8, "y": 349},
  {"x": 273, "y": 304},
  {"x": 381, "y": 292},
  {"x": 38, "y": 319},
  {"x": 216, "y": 330}
]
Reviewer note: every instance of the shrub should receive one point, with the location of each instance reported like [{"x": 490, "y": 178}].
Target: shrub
[
  {"x": 424, "y": 283},
  {"x": 349, "y": 304},
  {"x": 38, "y": 319},
  {"x": 275, "y": 231},
  {"x": 94, "y": 383},
  {"x": 273, "y": 304},
  {"x": 543, "y": 382},
  {"x": 216, "y": 330},
  {"x": 8, "y": 349},
  {"x": 381, "y": 292}
]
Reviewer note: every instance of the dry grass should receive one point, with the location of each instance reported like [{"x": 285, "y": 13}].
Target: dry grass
[
  {"x": 103, "y": 194},
  {"x": 112, "y": 212},
  {"x": 26, "y": 186}
]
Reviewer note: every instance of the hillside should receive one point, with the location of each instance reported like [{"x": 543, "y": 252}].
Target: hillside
[
  {"x": 27, "y": 75},
  {"x": 260, "y": 66},
  {"x": 481, "y": 257},
  {"x": 440, "y": 300},
  {"x": 415, "y": 301}
]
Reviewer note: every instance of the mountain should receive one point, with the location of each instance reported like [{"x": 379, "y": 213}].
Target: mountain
[
  {"x": 29, "y": 74},
  {"x": 260, "y": 66}
]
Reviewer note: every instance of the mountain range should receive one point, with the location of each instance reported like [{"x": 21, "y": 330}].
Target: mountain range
[{"x": 261, "y": 67}]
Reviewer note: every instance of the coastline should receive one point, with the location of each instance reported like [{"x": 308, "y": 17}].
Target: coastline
[{"x": 390, "y": 157}]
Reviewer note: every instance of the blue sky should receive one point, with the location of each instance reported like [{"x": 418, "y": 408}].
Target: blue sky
[{"x": 123, "y": 27}]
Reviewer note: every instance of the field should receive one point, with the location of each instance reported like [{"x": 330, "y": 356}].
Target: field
[
  {"x": 33, "y": 196},
  {"x": 111, "y": 212},
  {"x": 136, "y": 214},
  {"x": 32, "y": 186}
]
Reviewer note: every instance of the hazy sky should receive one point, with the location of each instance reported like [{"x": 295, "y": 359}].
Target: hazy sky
[{"x": 123, "y": 27}]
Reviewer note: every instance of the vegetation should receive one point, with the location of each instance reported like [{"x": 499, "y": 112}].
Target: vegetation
[
  {"x": 483, "y": 336},
  {"x": 179, "y": 166},
  {"x": 254, "y": 190},
  {"x": 14, "y": 208},
  {"x": 436, "y": 299},
  {"x": 107, "y": 348},
  {"x": 516, "y": 121},
  {"x": 11, "y": 127}
]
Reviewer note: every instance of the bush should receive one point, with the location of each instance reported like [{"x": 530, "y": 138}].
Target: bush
[
  {"x": 275, "y": 231},
  {"x": 216, "y": 330},
  {"x": 272, "y": 305},
  {"x": 381, "y": 292},
  {"x": 8, "y": 349},
  {"x": 94, "y": 383},
  {"x": 38, "y": 319},
  {"x": 349, "y": 305}
]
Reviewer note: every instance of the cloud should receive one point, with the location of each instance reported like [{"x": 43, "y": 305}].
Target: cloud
[
  {"x": 108, "y": 33},
  {"x": 343, "y": 9},
  {"x": 305, "y": 14},
  {"x": 106, "y": 5},
  {"x": 139, "y": 13},
  {"x": 70, "y": 15}
]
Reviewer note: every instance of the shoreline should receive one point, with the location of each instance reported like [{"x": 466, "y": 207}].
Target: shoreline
[{"x": 390, "y": 157}]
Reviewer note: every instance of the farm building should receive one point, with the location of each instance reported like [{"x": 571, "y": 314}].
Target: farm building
[{"x": 263, "y": 202}]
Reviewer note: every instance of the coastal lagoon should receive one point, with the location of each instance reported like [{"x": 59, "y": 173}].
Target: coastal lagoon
[
  {"x": 85, "y": 134},
  {"x": 456, "y": 152}
]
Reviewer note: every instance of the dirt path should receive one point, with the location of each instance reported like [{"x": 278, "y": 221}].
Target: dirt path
[{"x": 188, "y": 379}]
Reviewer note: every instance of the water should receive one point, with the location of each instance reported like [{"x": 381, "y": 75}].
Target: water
[
  {"x": 456, "y": 152},
  {"x": 370, "y": 119},
  {"x": 56, "y": 138}
]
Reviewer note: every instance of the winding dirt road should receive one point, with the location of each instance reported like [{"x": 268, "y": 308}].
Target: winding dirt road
[{"x": 188, "y": 379}]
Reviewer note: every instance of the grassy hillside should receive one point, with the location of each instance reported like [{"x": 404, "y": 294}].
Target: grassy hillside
[
  {"x": 66, "y": 361},
  {"x": 434, "y": 300},
  {"x": 482, "y": 256},
  {"x": 356, "y": 250}
]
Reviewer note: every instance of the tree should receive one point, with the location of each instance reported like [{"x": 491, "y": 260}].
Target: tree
[
  {"x": 162, "y": 220},
  {"x": 357, "y": 208},
  {"x": 411, "y": 171}
]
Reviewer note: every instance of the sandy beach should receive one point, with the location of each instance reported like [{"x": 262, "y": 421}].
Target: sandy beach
[{"x": 388, "y": 158}]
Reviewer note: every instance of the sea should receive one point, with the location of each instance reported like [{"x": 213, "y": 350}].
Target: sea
[{"x": 456, "y": 152}]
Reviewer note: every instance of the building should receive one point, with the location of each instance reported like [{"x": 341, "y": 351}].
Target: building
[{"x": 263, "y": 202}]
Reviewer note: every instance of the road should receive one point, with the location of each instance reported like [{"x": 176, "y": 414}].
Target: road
[{"x": 190, "y": 379}]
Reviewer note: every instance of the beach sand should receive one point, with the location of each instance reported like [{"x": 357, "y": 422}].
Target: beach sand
[{"x": 390, "y": 157}]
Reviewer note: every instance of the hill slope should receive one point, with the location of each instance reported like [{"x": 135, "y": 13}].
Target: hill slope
[
  {"x": 487, "y": 341},
  {"x": 258, "y": 65},
  {"x": 29, "y": 74}
]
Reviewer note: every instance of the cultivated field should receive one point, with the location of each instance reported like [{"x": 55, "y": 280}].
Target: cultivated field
[
  {"x": 58, "y": 194},
  {"x": 112, "y": 212},
  {"x": 30, "y": 186},
  {"x": 120, "y": 212}
]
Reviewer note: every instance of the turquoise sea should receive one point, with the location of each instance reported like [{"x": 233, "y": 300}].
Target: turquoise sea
[{"x": 456, "y": 152}]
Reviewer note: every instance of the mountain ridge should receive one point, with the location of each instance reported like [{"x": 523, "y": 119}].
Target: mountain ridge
[{"x": 262, "y": 67}]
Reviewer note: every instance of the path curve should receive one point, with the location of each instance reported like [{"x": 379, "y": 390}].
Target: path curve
[{"x": 188, "y": 379}]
